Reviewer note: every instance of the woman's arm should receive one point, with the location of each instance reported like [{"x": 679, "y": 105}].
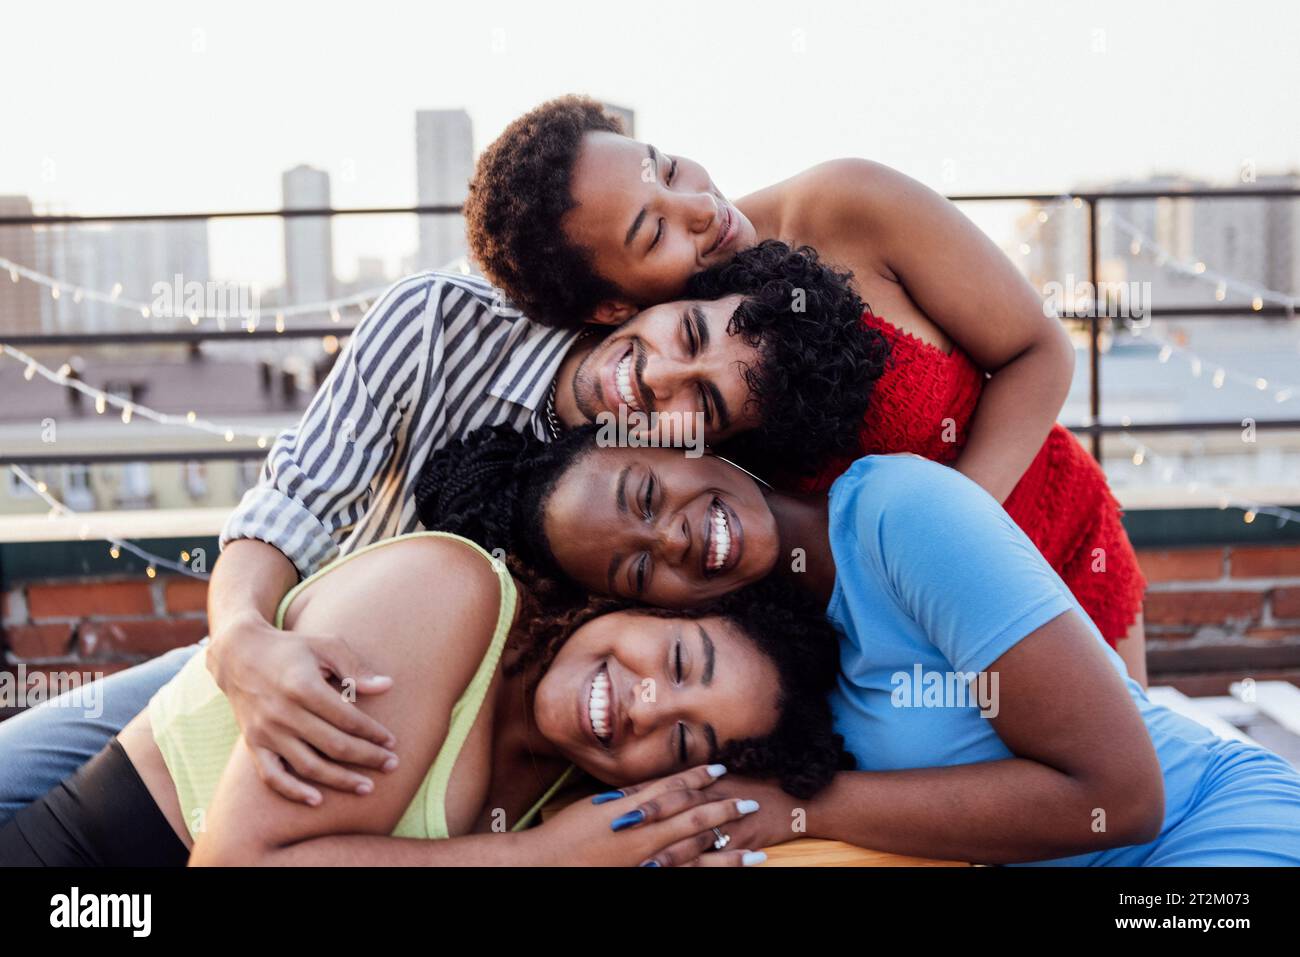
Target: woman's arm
[
  {"x": 1081, "y": 773},
  {"x": 1085, "y": 776},
  {"x": 424, "y": 611},
  {"x": 968, "y": 288},
  {"x": 678, "y": 815}
]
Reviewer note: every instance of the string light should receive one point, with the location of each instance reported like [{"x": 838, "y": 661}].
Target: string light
[
  {"x": 1139, "y": 241},
  {"x": 1197, "y": 269},
  {"x": 115, "y": 298},
  {"x": 128, "y": 410},
  {"x": 1171, "y": 471},
  {"x": 116, "y": 546}
]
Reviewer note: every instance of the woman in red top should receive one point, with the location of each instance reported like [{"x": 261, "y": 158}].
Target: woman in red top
[{"x": 578, "y": 223}]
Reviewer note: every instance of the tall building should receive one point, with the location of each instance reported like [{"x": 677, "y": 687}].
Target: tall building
[
  {"x": 308, "y": 240},
  {"x": 20, "y": 302},
  {"x": 132, "y": 256},
  {"x": 444, "y": 163},
  {"x": 626, "y": 114},
  {"x": 1253, "y": 240}
]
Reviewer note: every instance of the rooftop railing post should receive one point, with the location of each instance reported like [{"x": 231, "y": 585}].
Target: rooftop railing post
[
  {"x": 1094, "y": 335},
  {"x": 1094, "y": 428}
]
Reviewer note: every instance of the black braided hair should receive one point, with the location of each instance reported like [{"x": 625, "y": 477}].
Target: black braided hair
[{"x": 492, "y": 488}]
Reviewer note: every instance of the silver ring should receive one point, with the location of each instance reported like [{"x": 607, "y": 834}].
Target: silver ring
[{"x": 722, "y": 839}]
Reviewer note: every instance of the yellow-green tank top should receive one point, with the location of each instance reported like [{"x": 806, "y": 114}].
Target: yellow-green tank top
[{"x": 195, "y": 728}]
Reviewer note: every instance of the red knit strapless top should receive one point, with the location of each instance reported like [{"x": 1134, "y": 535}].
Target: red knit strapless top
[{"x": 923, "y": 404}]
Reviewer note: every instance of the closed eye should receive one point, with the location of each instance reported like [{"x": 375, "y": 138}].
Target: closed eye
[
  {"x": 672, "y": 172},
  {"x": 659, "y": 232}
]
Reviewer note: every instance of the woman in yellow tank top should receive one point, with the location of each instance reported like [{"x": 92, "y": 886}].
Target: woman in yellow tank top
[{"x": 492, "y": 710}]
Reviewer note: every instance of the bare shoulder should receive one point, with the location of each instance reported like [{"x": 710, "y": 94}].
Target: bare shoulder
[
  {"x": 856, "y": 186},
  {"x": 412, "y": 602}
]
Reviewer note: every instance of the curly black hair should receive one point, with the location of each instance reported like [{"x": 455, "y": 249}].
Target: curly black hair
[
  {"x": 518, "y": 195},
  {"x": 818, "y": 361},
  {"x": 802, "y": 751}
]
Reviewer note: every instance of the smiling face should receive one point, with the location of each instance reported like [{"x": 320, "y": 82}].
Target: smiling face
[
  {"x": 656, "y": 526},
  {"x": 678, "y": 358},
  {"x": 650, "y": 221},
  {"x": 630, "y": 696}
]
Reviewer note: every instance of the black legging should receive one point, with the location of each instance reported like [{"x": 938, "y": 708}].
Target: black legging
[{"x": 102, "y": 816}]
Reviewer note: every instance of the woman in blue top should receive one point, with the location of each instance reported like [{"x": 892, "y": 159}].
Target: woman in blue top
[{"x": 989, "y": 719}]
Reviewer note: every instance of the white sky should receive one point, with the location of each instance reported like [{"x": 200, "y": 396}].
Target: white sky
[{"x": 153, "y": 106}]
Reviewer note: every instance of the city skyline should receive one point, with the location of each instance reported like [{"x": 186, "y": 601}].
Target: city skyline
[{"x": 1065, "y": 95}]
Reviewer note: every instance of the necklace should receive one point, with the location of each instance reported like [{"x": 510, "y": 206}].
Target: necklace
[{"x": 553, "y": 425}]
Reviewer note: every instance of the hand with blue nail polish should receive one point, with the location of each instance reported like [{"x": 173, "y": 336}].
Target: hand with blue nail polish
[{"x": 665, "y": 823}]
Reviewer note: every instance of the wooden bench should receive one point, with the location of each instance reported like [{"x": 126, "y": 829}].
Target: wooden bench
[{"x": 812, "y": 852}]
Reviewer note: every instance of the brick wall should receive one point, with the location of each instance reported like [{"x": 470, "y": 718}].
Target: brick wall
[
  {"x": 1213, "y": 615},
  {"x": 98, "y": 625}
]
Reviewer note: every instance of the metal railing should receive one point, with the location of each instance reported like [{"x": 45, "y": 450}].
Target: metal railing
[{"x": 1094, "y": 429}]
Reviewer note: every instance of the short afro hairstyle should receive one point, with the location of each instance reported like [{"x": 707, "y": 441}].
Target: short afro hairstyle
[{"x": 519, "y": 194}]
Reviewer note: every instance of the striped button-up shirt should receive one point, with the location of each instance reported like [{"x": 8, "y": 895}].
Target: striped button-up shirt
[{"x": 436, "y": 357}]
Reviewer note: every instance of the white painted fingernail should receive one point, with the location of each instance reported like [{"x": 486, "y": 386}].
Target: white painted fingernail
[
  {"x": 746, "y": 806},
  {"x": 716, "y": 770},
  {"x": 752, "y": 858}
]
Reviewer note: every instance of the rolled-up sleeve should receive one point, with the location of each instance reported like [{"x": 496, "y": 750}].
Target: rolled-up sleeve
[{"x": 317, "y": 480}]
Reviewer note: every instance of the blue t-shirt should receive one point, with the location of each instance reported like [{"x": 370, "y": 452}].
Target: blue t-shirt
[{"x": 934, "y": 583}]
